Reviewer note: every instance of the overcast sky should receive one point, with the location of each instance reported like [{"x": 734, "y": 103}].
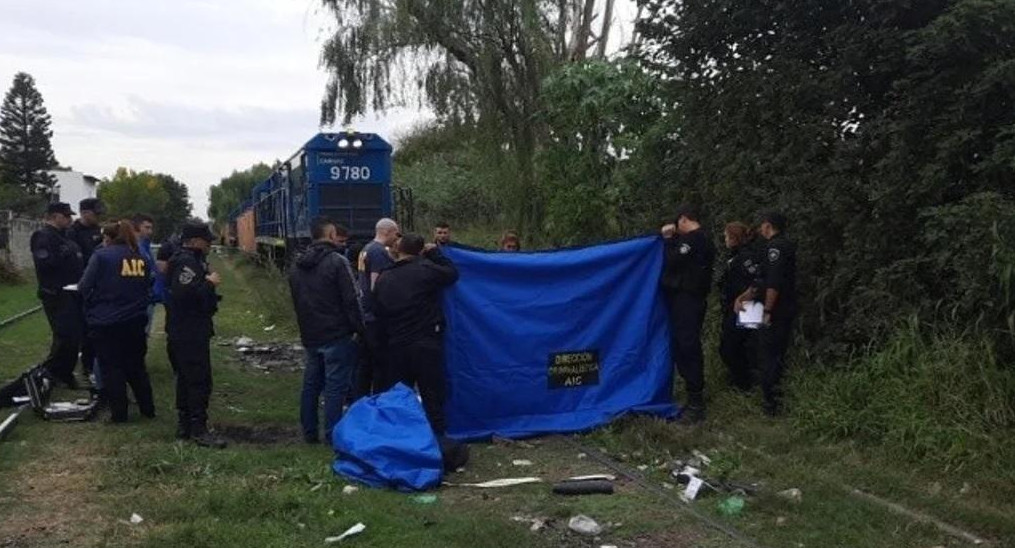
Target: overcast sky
[{"x": 192, "y": 88}]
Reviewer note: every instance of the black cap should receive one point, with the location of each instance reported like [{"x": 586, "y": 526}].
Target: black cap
[
  {"x": 688, "y": 210},
  {"x": 774, "y": 218},
  {"x": 196, "y": 230},
  {"x": 92, "y": 204},
  {"x": 59, "y": 207},
  {"x": 411, "y": 244}
]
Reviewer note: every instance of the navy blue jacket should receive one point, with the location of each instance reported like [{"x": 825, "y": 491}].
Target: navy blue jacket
[
  {"x": 192, "y": 299},
  {"x": 116, "y": 286}
]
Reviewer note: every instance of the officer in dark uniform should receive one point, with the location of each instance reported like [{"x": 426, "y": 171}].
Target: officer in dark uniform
[
  {"x": 192, "y": 303},
  {"x": 778, "y": 291},
  {"x": 58, "y": 264},
  {"x": 86, "y": 232},
  {"x": 116, "y": 289},
  {"x": 407, "y": 302},
  {"x": 738, "y": 345},
  {"x": 686, "y": 281}
]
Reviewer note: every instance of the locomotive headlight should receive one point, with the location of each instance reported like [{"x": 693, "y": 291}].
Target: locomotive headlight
[
  {"x": 357, "y": 144},
  {"x": 344, "y": 143}
]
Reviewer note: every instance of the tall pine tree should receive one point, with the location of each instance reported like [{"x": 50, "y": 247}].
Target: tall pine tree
[{"x": 25, "y": 149}]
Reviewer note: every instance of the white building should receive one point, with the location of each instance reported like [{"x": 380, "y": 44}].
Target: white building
[{"x": 73, "y": 186}]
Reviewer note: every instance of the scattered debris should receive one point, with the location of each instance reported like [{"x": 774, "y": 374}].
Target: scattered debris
[
  {"x": 584, "y": 525},
  {"x": 316, "y": 487},
  {"x": 966, "y": 488},
  {"x": 668, "y": 486},
  {"x": 780, "y": 521},
  {"x": 270, "y": 357},
  {"x": 702, "y": 458},
  {"x": 506, "y": 482},
  {"x": 606, "y": 477},
  {"x": 270, "y": 327},
  {"x": 582, "y": 456},
  {"x": 536, "y": 523},
  {"x": 349, "y": 489},
  {"x": 584, "y": 487},
  {"x": 521, "y": 462},
  {"x": 136, "y": 519},
  {"x": 354, "y": 530},
  {"x": 792, "y": 495},
  {"x": 731, "y": 507},
  {"x": 642, "y": 467},
  {"x": 691, "y": 491},
  {"x": 424, "y": 499}
]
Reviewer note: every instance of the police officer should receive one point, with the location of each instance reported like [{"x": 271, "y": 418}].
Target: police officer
[
  {"x": 738, "y": 345},
  {"x": 407, "y": 302},
  {"x": 115, "y": 288},
  {"x": 86, "y": 232},
  {"x": 58, "y": 264},
  {"x": 192, "y": 303},
  {"x": 777, "y": 290},
  {"x": 686, "y": 281}
]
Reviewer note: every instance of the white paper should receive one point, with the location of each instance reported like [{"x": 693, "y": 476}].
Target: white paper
[
  {"x": 71, "y": 287},
  {"x": 752, "y": 315},
  {"x": 691, "y": 492}
]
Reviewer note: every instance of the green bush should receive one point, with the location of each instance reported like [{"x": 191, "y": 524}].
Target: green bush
[{"x": 941, "y": 398}]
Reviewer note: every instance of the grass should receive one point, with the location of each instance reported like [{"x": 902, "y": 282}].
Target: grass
[
  {"x": 87, "y": 479},
  {"x": 18, "y": 297}
]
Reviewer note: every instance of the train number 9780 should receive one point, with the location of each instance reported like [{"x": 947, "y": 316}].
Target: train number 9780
[{"x": 350, "y": 173}]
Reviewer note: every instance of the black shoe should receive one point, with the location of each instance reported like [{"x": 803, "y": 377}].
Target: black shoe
[
  {"x": 694, "y": 413},
  {"x": 182, "y": 427},
  {"x": 204, "y": 438}
]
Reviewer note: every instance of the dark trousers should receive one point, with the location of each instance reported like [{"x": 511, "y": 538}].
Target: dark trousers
[
  {"x": 738, "y": 348},
  {"x": 88, "y": 355},
  {"x": 773, "y": 341},
  {"x": 66, "y": 322},
  {"x": 372, "y": 376},
  {"x": 687, "y": 315},
  {"x": 121, "y": 349},
  {"x": 191, "y": 362},
  {"x": 421, "y": 364}
]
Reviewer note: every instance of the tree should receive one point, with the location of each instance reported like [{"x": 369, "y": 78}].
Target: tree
[
  {"x": 234, "y": 190},
  {"x": 25, "y": 149},
  {"x": 866, "y": 121},
  {"x": 474, "y": 62},
  {"x": 171, "y": 218},
  {"x": 161, "y": 196}
]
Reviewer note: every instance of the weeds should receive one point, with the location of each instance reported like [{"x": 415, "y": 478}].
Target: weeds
[{"x": 926, "y": 395}]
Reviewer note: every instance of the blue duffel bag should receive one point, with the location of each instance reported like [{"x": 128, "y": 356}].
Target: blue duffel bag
[{"x": 385, "y": 441}]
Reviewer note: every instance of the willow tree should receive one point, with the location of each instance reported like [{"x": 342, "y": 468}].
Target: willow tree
[{"x": 478, "y": 62}]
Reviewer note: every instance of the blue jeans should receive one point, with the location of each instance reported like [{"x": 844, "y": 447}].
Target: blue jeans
[{"x": 329, "y": 368}]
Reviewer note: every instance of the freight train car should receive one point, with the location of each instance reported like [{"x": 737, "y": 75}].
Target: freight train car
[{"x": 344, "y": 176}]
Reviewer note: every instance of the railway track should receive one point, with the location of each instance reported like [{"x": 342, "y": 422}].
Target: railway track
[
  {"x": 666, "y": 497},
  {"x": 19, "y": 316}
]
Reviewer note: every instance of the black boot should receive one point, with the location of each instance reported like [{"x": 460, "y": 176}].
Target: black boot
[
  {"x": 182, "y": 426},
  {"x": 694, "y": 412},
  {"x": 201, "y": 436}
]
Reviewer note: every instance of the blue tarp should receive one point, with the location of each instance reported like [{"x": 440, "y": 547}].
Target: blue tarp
[
  {"x": 386, "y": 441},
  {"x": 556, "y": 341}
]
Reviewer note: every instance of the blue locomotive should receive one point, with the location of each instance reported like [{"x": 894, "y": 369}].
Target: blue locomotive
[{"x": 344, "y": 176}]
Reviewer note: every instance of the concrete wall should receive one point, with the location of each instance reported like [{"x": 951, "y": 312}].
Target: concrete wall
[{"x": 15, "y": 239}]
